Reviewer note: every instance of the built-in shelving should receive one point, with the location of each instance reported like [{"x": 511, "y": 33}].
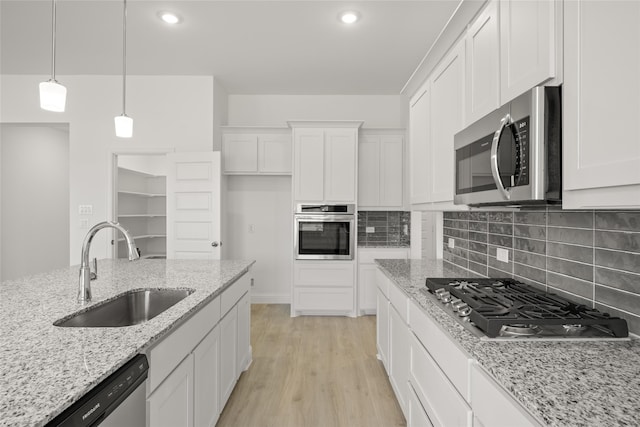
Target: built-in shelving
[
  {"x": 142, "y": 215},
  {"x": 137, "y": 193}
]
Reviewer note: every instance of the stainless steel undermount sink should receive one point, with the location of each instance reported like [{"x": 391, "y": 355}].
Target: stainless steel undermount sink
[{"x": 127, "y": 309}]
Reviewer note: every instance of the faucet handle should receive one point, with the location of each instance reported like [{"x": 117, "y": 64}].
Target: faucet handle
[{"x": 94, "y": 273}]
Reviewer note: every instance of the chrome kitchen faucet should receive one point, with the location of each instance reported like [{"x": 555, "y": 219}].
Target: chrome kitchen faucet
[{"x": 84, "y": 291}]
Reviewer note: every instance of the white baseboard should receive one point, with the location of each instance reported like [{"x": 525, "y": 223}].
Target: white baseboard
[{"x": 270, "y": 298}]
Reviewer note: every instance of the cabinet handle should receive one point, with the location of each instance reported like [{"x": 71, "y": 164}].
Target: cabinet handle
[
  {"x": 215, "y": 244},
  {"x": 506, "y": 121}
]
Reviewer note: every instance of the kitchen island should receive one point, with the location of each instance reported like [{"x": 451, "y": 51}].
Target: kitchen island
[
  {"x": 560, "y": 383},
  {"x": 45, "y": 368}
]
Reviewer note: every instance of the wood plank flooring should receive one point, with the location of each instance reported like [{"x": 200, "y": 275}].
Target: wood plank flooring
[{"x": 312, "y": 371}]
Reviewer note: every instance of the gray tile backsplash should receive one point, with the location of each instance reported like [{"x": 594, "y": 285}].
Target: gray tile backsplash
[
  {"x": 592, "y": 257},
  {"x": 391, "y": 229}
]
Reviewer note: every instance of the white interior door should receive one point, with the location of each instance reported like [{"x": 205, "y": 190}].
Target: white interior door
[{"x": 193, "y": 205}]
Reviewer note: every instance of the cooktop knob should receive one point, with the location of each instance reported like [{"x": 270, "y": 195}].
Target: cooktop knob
[{"x": 445, "y": 297}]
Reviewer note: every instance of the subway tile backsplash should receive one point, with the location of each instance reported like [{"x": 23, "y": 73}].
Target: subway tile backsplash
[
  {"x": 592, "y": 257},
  {"x": 391, "y": 229}
]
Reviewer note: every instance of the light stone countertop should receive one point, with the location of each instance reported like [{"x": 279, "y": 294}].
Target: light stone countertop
[
  {"x": 45, "y": 368},
  {"x": 563, "y": 384}
]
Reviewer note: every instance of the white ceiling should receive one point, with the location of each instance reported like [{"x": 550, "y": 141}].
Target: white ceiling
[{"x": 251, "y": 47}]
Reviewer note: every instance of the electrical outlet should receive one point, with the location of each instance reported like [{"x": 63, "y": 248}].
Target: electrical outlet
[
  {"x": 84, "y": 223},
  {"x": 252, "y": 228},
  {"x": 85, "y": 209},
  {"x": 452, "y": 242},
  {"x": 502, "y": 255},
  {"x": 371, "y": 229}
]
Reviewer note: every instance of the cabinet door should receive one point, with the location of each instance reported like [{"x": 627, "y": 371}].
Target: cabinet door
[
  {"x": 527, "y": 46},
  {"x": 601, "y": 103},
  {"x": 399, "y": 357},
  {"x": 391, "y": 171},
  {"x": 274, "y": 154},
  {"x": 417, "y": 415},
  {"x": 382, "y": 328},
  {"x": 369, "y": 171},
  {"x": 244, "y": 333},
  {"x": 482, "y": 70},
  {"x": 207, "y": 379},
  {"x": 367, "y": 288},
  {"x": 171, "y": 404},
  {"x": 419, "y": 140},
  {"x": 309, "y": 165},
  {"x": 240, "y": 153},
  {"x": 447, "y": 106},
  {"x": 340, "y": 165},
  {"x": 228, "y": 354}
]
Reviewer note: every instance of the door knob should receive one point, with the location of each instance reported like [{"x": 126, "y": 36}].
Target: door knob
[{"x": 215, "y": 244}]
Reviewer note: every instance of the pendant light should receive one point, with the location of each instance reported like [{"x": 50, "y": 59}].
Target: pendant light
[
  {"x": 53, "y": 95},
  {"x": 124, "y": 123}
]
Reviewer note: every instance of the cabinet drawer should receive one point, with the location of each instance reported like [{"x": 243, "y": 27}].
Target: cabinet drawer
[
  {"x": 383, "y": 283},
  {"x": 453, "y": 361},
  {"x": 324, "y": 273},
  {"x": 493, "y": 406},
  {"x": 233, "y": 293},
  {"x": 168, "y": 353},
  {"x": 400, "y": 301},
  {"x": 368, "y": 256},
  {"x": 440, "y": 399},
  {"x": 323, "y": 299},
  {"x": 417, "y": 415}
]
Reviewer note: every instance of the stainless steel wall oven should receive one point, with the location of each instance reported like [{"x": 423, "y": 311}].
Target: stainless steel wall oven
[{"x": 324, "y": 232}]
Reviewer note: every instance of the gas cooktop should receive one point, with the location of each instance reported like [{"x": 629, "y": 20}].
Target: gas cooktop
[{"x": 506, "y": 308}]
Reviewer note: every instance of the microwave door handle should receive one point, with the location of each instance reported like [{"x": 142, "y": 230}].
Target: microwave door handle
[{"x": 506, "y": 121}]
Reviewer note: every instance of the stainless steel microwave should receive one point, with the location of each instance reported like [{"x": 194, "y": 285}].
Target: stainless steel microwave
[
  {"x": 324, "y": 232},
  {"x": 513, "y": 156}
]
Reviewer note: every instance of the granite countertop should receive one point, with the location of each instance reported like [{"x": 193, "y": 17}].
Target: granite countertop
[
  {"x": 568, "y": 383},
  {"x": 44, "y": 368}
]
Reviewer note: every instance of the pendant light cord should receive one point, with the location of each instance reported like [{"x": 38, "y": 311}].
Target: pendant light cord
[
  {"x": 124, "y": 57},
  {"x": 53, "y": 42}
]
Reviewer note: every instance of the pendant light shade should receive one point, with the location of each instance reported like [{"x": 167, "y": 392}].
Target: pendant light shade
[
  {"x": 124, "y": 123},
  {"x": 124, "y": 126},
  {"x": 53, "y": 95}
]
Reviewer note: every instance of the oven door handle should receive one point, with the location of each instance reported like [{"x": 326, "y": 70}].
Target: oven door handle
[
  {"x": 325, "y": 218},
  {"x": 506, "y": 121}
]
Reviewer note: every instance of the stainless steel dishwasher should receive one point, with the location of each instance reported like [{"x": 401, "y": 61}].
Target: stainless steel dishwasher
[{"x": 118, "y": 401}]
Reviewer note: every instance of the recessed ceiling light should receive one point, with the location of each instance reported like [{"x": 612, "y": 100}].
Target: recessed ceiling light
[
  {"x": 169, "y": 17},
  {"x": 349, "y": 17}
]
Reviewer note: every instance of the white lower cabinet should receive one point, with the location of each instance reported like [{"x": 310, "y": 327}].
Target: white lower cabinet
[
  {"x": 192, "y": 371},
  {"x": 367, "y": 274},
  {"x": 417, "y": 415},
  {"x": 382, "y": 328},
  {"x": 323, "y": 288},
  {"x": 399, "y": 356},
  {"x": 171, "y": 404}
]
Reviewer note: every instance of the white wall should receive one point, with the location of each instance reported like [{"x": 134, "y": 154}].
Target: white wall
[
  {"x": 220, "y": 113},
  {"x": 265, "y": 203},
  {"x": 35, "y": 199},
  {"x": 168, "y": 111},
  {"x": 377, "y": 111}
]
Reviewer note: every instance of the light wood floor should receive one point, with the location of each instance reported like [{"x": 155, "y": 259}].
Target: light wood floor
[{"x": 312, "y": 372}]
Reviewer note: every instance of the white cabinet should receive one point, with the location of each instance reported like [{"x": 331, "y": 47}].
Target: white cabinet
[
  {"x": 601, "y": 103},
  {"x": 528, "y": 45},
  {"x": 380, "y": 170},
  {"x": 493, "y": 406},
  {"x": 256, "y": 151},
  {"x": 367, "y": 294},
  {"x": 325, "y": 161},
  {"x": 323, "y": 288},
  {"x": 399, "y": 356},
  {"x": 244, "y": 334},
  {"x": 171, "y": 404},
  {"x": 206, "y": 382},
  {"x": 382, "y": 328},
  {"x": 417, "y": 415},
  {"x": 141, "y": 208},
  {"x": 228, "y": 354},
  {"x": 419, "y": 142},
  {"x": 482, "y": 65}
]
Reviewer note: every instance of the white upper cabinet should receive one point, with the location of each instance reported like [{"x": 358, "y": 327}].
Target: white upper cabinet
[
  {"x": 447, "y": 109},
  {"x": 380, "y": 170},
  {"x": 527, "y": 45},
  {"x": 482, "y": 65},
  {"x": 419, "y": 140},
  {"x": 325, "y": 161},
  {"x": 255, "y": 152},
  {"x": 601, "y": 104}
]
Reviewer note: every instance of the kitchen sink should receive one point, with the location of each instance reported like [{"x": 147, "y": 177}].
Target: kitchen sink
[{"x": 127, "y": 309}]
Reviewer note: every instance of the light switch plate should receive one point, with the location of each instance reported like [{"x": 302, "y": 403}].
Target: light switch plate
[
  {"x": 452, "y": 242},
  {"x": 85, "y": 209},
  {"x": 502, "y": 255},
  {"x": 371, "y": 229}
]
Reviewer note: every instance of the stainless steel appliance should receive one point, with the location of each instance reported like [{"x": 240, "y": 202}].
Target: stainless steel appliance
[
  {"x": 508, "y": 309},
  {"x": 324, "y": 232},
  {"x": 117, "y": 401},
  {"x": 513, "y": 155}
]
